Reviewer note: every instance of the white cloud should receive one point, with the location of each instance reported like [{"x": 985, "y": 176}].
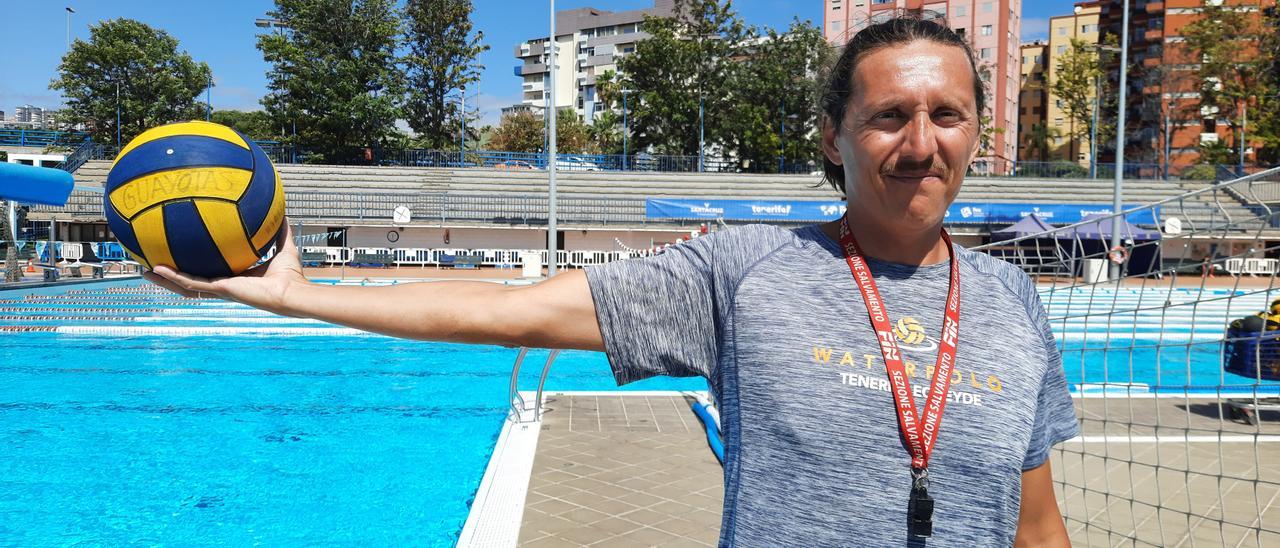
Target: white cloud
[{"x": 1035, "y": 28}]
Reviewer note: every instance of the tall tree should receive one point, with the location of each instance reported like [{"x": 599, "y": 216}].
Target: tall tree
[
  {"x": 1225, "y": 42},
  {"x": 1077, "y": 83},
  {"x": 1266, "y": 111},
  {"x": 441, "y": 63},
  {"x": 333, "y": 75},
  {"x": 256, "y": 124},
  {"x": 519, "y": 132},
  {"x": 157, "y": 83},
  {"x": 688, "y": 58},
  {"x": 776, "y": 96}
]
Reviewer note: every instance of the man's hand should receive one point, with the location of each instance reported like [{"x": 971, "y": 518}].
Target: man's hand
[
  {"x": 1039, "y": 521},
  {"x": 264, "y": 286}
]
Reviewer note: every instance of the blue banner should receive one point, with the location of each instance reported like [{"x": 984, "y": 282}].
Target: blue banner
[{"x": 958, "y": 213}]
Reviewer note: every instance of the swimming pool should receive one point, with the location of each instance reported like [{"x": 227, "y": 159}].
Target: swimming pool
[
  {"x": 287, "y": 436},
  {"x": 150, "y": 418},
  {"x": 1158, "y": 340}
]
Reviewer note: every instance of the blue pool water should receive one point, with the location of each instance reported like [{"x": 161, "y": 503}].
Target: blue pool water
[
  {"x": 116, "y": 439},
  {"x": 239, "y": 427}
]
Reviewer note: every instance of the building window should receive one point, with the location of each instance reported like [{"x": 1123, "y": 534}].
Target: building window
[
  {"x": 1209, "y": 125},
  {"x": 1062, "y": 31},
  {"x": 629, "y": 49},
  {"x": 1062, "y": 49},
  {"x": 985, "y": 53},
  {"x": 835, "y": 26},
  {"x": 880, "y": 2},
  {"x": 1086, "y": 29},
  {"x": 986, "y": 30},
  {"x": 1057, "y": 121},
  {"x": 962, "y": 11},
  {"x": 835, "y": 5},
  {"x": 1058, "y": 103},
  {"x": 960, "y": 32},
  {"x": 986, "y": 7}
]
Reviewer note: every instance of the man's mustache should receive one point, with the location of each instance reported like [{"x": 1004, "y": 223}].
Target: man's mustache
[{"x": 908, "y": 168}]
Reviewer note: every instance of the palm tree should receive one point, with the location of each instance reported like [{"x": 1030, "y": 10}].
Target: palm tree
[{"x": 1039, "y": 137}]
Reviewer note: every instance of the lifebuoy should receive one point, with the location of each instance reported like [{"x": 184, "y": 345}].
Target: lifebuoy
[{"x": 1118, "y": 254}]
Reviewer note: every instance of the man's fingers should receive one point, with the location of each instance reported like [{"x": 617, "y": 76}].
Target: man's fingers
[
  {"x": 193, "y": 284},
  {"x": 162, "y": 282}
]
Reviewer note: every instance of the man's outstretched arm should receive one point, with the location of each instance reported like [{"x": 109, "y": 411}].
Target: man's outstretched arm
[{"x": 557, "y": 313}]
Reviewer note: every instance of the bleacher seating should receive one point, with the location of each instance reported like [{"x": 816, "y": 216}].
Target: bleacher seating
[{"x": 320, "y": 193}]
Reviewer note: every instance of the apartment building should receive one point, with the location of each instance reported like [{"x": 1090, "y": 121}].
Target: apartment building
[
  {"x": 1032, "y": 93},
  {"x": 993, "y": 28},
  {"x": 589, "y": 42},
  {"x": 1071, "y": 142},
  {"x": 1164, "y": 111}
]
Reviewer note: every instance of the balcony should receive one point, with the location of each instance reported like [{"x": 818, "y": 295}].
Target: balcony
[
  {"x": 534, "y": 68},
  {"x": 1155, "y": 7},
  {"x": 1154, "y": 35},
  {"x": 1152, "y": 61}
]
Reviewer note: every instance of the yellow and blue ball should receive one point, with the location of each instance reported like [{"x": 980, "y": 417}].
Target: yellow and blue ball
[{"x": 196, "y": 196}]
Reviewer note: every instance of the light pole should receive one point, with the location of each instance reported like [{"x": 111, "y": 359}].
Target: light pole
[
  {"x": 69, "y": 12},
  {"x": 702, "y": 143},
  {"x": 462, "y": 119},
  {"x": 626, "y": 129},
  {"x": 782, "y": 131},
  {"x": 552, "y": 239},
  {"x": 208, "y": 99},
  {"x": 117, "y": 116},
  {"x": 1097, "y": 104},
  {"x": 1093, "y": 129},
  {"x": 1168, "y": 136},
  {"x": 1244, "y": 125},
  {"x": 1118, "y": 221},
  {"x": 280, "y": 26}
]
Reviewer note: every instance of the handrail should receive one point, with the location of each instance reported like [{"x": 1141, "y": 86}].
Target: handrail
[
  {"x": 546, "y": 368},
  {"x": 85, "y": 152},
  {"x": 513, "y": 395}
]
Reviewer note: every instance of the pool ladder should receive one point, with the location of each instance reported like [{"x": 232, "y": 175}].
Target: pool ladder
[{"x": 518, "y": 406}]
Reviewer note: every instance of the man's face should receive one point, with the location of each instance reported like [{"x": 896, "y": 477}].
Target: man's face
[{"x": 908, "y": 135}]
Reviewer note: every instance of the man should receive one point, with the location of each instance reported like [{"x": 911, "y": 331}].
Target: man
[{"x": 815, "y": 341}]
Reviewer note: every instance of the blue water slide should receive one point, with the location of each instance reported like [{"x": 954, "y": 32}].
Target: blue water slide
[{"x": 35, "y": 185}]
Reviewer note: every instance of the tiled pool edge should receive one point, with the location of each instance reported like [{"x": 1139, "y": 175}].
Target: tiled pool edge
[{"x": 494, "y": 520}]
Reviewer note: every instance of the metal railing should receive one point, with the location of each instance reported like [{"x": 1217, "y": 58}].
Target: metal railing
[
  {"x": 515, "y": 400},
  {"x": 41, "y": 138}
]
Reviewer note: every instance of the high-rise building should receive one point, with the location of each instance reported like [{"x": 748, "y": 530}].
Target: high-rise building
[
  {"x": 1071, "y": 140},
  {"x": 992, "y": 27},
  {"x": 1031, "y": 100},
  {"x": 29, "y": 114},
  {"x": 1163, "y": 99},
  {"x": 589, "y": 42}
]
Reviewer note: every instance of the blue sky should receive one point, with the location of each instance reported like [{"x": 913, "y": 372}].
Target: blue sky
[{"x": 222, "y": 34}]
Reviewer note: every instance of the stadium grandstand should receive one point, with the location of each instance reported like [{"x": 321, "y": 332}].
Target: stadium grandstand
[{"x": 619, "y": 214}]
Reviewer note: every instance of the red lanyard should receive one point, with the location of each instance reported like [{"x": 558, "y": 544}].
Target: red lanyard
[{"x": 920, "y": 438}]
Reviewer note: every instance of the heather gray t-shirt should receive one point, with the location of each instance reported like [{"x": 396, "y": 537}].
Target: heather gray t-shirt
[{"x": 772, "y": 318}]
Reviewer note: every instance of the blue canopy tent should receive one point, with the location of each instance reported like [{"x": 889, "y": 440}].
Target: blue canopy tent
[
  {"x": 1092, "y": 239},
  {"x": 1039, "y": 252},
  {"x": 1029, "y": 226}
]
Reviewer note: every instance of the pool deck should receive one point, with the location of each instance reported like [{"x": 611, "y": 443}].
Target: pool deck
[{"x": 620, "y": 470}]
